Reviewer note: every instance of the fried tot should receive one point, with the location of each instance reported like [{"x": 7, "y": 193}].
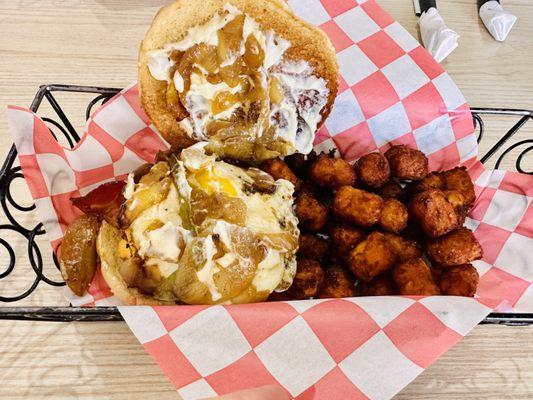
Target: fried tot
[
  {"x": 458, "y": 179},
  {"x": 434, "y": 213},
  {"x": 338, "y": 283},
  {"x": 371, "y": 257},
  {"x": 279, "y": 170},
  {"x": 382, "y": 285},
  {"x": 312, "y": 247},
  {"x": 332, "y": 172},
  {"x": 391, "y": 189},
  {"x": 357, "y": 206},
  {"x": 344, "y": 238},
  {"x": 372, "y": 170},
  {"x": 311, "y": 213},
  {"x": 433, "y": 180},
  {"x": 459, "y": 204},
  {"x": 461, "y": 280},
  {"x": 455, "y": 248},
  {"x": 308, "y": 280},
  {"x": 405, "y": 249},
  {"x": 406, "y": 163},
  {"x": 394, "y": 216},
  {"x": 413, "y": 277}
]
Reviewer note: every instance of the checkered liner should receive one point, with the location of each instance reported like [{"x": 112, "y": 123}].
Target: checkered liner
[{"x": 391, "y": 91}]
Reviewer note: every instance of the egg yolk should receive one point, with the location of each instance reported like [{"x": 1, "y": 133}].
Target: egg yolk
[{"x": 212, "y": 183}]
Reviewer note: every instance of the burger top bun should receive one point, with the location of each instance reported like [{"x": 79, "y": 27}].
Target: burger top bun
[{"x": 288, "y": 77}]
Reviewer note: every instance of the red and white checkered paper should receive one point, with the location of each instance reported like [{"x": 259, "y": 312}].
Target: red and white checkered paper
[{"x": 391, "y": 91}]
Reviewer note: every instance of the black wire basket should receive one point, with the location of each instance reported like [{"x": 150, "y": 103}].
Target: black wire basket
[{"x": 10, "y": 172}]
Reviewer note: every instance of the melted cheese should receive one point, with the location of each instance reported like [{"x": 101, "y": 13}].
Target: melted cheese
[
  {"x": 167, "y": 242},
  {"x": 178, "y": 81},
  {"x": 269, "y": 272},
  {"x": 208, "y": 271},
  {"x": 166, "y": 268},
  {"x": 130, "y": 186},
  {"x": 198, "y": 103},
  {"x": 298, "y": 81},
  {"x": 167, "y": 212}
]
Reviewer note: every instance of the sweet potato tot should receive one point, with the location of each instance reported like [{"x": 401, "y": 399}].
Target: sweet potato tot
[
  {"x": 338, "y": 283},
  {"x": 407, "y": 163},
  {"x": 357, "y": 206},
  {"x": 455, "y": 248},
  {"x": 371, "y": 257},
  {"x": 332, "y": 172},
  {"x": 413, "y": 277}
]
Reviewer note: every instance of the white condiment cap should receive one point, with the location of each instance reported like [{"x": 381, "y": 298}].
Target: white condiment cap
[
  {"x": 438, "y": 39},
  {"x": 498, "y": 21}
]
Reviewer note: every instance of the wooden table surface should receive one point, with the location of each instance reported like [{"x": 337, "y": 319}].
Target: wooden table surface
[{"x": 95, "y": 43}]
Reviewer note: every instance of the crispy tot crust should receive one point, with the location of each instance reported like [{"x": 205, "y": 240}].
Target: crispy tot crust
[
  {"x": 394, "y": 216},
  {"x": 459, "y": 204},
  {"x": 357, "y": 206},
  {"x": 332, "y": 172},
  {"x": 458, "y": 179},
  {"x": 311, "y": 213},
  {"x": 455, "y": 248},
  {"x": 344, "y": 237},
  {"x": 338, "y": 283},
  {"x": 405, "y": 249},
  {"x": 413, "y": 277},
  {"x": 308, "y": 280},
  {"x": 391, "y": 189},
  {"x": 278, "y": 169},
  {"x": 371, "y": 257},
  {"x": 433, "y": 180},
  {"x": 172, "y": 22},
  {"x": 312, "y": 247},
  {"x": 382, "y": 285},
  {"x": 454, "y": 180},
  {"x": 434, "y": 213},
  {"x": 461, "y": 280},
  {"x": 407, "y": 163},
  {"x": 373, "y": 170}
]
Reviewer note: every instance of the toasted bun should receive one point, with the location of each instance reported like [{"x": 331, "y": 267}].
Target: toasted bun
[
  {"x": 172, "y": 23},
  {"x": 112, "y": 264}
]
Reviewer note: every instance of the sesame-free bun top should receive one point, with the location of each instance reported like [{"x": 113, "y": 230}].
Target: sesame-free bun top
[{"x": 173, "y": 23}]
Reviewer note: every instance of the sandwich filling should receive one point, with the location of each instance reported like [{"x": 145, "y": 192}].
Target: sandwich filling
[
  {"x": 204, "y": 231},
  {"x": 231, "y": 84}
]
